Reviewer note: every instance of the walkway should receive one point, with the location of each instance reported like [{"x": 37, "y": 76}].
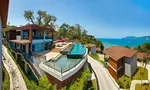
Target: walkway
[
  {"x": 16, "y": 79},
  {"x": 105, "y": 81},
  {"x": 134, "y": 82}
]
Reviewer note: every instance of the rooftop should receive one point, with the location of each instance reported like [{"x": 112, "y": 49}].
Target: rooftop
[
  {"x": 117, "y": 52},
  {"x": 141, "y": 55},
  {"x": 89, "y": 45},
  {"x": 20, "y": 41},
  {"x": 33, "y": 26}
]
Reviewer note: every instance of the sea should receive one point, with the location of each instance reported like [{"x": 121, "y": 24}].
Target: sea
[{"x": 109, "y": 42}]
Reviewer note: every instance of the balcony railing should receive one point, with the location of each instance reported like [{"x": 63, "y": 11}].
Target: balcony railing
[
  {"x": 38, "y": 37},
  {"x": 48, "y": 37}
]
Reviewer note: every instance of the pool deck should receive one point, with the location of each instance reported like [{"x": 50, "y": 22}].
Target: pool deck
[{"x": 55, "y": 52}]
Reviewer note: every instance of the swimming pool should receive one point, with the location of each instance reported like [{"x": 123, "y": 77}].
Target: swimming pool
[
  {"x": 62, "y": 64},
  {"x": 78, "y": 49}
]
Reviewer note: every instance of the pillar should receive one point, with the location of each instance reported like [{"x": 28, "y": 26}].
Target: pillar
[{"x": 26, "y": 68}]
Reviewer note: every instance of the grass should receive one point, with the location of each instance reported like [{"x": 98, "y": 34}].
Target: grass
[
  {"x": 96, "y": 57},
  {"x": 124, "y": 80},
  {"x": 142, "y": 87},
  {"x": 91, "y": 85},
  {"x": 6, "y": 80}
]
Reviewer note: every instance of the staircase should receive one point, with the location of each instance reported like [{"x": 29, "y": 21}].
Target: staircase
[{"x": 26, "y": 60}]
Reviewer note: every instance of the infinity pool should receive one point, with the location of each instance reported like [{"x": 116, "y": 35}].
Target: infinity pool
[
  {"x": 78, "y": 49},
  {"x": 63, "y": 63}
]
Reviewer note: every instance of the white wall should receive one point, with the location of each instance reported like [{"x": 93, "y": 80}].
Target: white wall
[
  {"x": 93, "y": 50},
  {"x": 0, "y": 54},
  {"x": 133, "y": 64},
  {"x": 130, "y": 65},
  {"x": 127, "y": 67}
]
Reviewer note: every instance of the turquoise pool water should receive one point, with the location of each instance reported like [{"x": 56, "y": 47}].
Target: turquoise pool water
[
  {"x": 78, "y": 49},
  {"x": 63, "y": 63}
]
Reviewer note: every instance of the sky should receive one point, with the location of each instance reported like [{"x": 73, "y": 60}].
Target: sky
[{"x": 101, "y": 18}]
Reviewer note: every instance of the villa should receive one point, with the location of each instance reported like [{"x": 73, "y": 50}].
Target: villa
[
  {"x": 30, "y": 41},
  {"x": 61, "y": 64},
  {"x": 3, "y": 22},
  {"x": 121, "y": 61}
]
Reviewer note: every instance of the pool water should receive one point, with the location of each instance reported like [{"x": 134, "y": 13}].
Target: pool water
[
  {"x": 78, "y": 49},
  {"x": 63, "y": 63}
]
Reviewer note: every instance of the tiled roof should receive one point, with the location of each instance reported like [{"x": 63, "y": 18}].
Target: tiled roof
[
  {"x": 141, "y": 55},
  {"x": 118, "y": 52},
  {"x": 89, "y": 45}
]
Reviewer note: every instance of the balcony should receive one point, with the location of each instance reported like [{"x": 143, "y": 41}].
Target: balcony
[
  {"x": 48, "y": 37},
  {"x": 38, "y": 37}
]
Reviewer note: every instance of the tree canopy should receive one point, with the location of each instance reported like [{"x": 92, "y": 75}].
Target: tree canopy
[
  {"x": 77, "y": 33},
  {"x": 144, "y": 48},
  {"x": 42, "y": 19}
]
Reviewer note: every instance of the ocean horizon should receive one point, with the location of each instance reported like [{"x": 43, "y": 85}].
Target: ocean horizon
[{"x": 109, "y": 42}]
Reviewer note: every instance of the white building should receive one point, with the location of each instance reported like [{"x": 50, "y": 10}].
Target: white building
[{"x": 92, "y": 48}]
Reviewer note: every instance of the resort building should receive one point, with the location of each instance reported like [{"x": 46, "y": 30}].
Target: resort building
[
  {"x": 92, "y": 48},
  {"x": 121, "y": 61},
  {"x": 30, "y": 41},
  {"x": 3, "y": 22}
]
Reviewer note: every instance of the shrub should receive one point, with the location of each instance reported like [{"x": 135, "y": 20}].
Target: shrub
[{"x": 6, "y": 80}]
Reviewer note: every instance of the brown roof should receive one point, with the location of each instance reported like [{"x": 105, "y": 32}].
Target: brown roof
[
  {"x": 141, "y": 55},
  {"x": 33, "y": 26},
  {"x": 89, "y": 45},
  {"x": 117, "y": 52},
  {"x": 20, "y": 41},
  {"x": 4, "y": 4}
]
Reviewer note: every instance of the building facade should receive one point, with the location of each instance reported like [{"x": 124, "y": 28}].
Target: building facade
[
  {"x": 121, "y": 61},
  {"x": 3, "y": 21}
]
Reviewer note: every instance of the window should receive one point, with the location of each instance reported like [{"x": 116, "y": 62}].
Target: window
[{"x": 18, "y": 33}]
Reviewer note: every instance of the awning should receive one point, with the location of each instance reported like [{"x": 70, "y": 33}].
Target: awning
[{"x": 20, "y": 41}]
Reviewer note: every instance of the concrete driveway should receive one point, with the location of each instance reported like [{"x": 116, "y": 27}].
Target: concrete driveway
[{"x": 104, "y": 79}]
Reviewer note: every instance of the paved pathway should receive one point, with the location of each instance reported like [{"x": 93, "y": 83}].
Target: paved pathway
[
  {"x": 104, "y": 80},
  {"x": 16, "y": 79}
]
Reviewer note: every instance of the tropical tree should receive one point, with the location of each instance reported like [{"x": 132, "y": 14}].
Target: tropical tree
[
  {"x": 145, "y": 61},
  {"x": 42, "y": 19},
  {"x": 45, "y": 85},
  {"x": 29, "y": 16}
]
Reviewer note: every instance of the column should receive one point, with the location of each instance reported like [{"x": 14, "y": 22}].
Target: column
[{"x": 26, "y": 68}]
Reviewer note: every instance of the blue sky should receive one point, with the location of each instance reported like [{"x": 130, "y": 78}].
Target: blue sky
[{"x": 101, "y": 18}]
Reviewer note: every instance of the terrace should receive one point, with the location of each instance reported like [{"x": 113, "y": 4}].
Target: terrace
[{"x": 63, "y": 67}]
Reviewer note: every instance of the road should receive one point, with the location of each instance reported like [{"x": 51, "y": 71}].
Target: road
[
  {"x": 16, "y": 79},
  {"x": 104, "y": 80}
]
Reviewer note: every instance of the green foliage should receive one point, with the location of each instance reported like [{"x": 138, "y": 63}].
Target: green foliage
[
  {"x": 77, "y": 33},
  {"x": 125, "y": 81},
  {"x": 29, "y": 16},
  {"x": 43, "y": 19},
  {"x": 96, "y": 57},
  {"x": 42, "y": 84},
  {"x": 144, "y": 48},
  {"x": 81, "y": 83},
  {"x": 6, "y": 80}
]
